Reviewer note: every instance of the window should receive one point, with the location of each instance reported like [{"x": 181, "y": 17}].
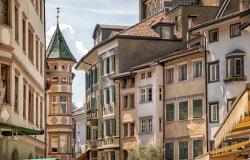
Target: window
[
  {"x": 197, "y": 108},
  {"x": 24, "y": 35},
  {"x": 160, "y": 94},
  {"x": 125, "y": 153},
  {"x": 41, "y": 113},
  {"x": 238, "y": 67},
  {"x": 16, "y": 108},
  {"x": 24, "y": 100},
  {"x": 235, "y": 30},
  {"x": 183, "y": 150},
  {"x": 170, "y": 75},
  {"x": 146, "y": 95},
  {"x": 16, "y": 24},
  {"x": 146, "y": 125},
  {"x": 54, "y": 144},
  {"x": 110, "y": 127},
  {"x": 95, "y": 134},
  {"x": 31, "y": 46},
  {"x": 197, "y": 148},
  {"x": 5, "y": 81},
  {"x": 213, "y": 73},
  {"x": 128, "y": 101},
  {"x": 197, "y": 69},
  {"x": 125, "y": 130},
  {"x": 109, "y": 95},
  {"x": 169, "y": 112},
  {"x": 160, "y": 124},
  {"x": 183, "y": 110},
  {"x": 54, "y": 79},
  {"x": 55, "y": 67},
  {"x": 63, "y": 104},
  {"x": 41, "y": 60},
  {"x": 213, "y": 35},
  {"x": 230, "y": 104},
  {"x": 4, "y": 12},
  {"x": 132, "y": 129},
  {"x": 64, "y": 80},
  {"x": 37, "y": 111},
  {"x": 214, "y": 112},
  {"x": 109, "y": 65},
  {"x": 31, "y": 106},
  {"x": 143, "y": 76},
  {"x": 235, "y": 67},
  {"x": 149, "y": 75},
  {"x": 63, "y": 143},
  {"x": 169, "y": 151},
  {"x": 166, "y": 32},
  {"x": 183, "y": 72},
  {"x": 54, "y": 108},
  {"x": 37, "y": 55}
]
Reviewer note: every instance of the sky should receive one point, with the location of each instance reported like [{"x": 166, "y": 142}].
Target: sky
[{"x": 77, "y": 21}]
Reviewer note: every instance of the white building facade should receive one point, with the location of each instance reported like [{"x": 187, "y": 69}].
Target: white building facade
[{"x": 227, "y": 62}]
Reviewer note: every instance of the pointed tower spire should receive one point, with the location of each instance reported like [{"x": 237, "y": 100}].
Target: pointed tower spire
[
  {"x": 57, "y": 17},
  {"x": 58, "y": 48}
]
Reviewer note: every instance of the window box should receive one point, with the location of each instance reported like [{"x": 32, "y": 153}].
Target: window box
[{"x": 231, "y": 79}]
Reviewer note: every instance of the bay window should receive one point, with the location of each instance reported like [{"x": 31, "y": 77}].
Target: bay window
[
  {"x": 146, "y": 95},
  {"x": 63, "y": 104},
  {"x": 235, "y": 66}
]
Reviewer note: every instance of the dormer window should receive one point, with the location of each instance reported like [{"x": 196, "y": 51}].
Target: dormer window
[{"x": 166, "y": 32}]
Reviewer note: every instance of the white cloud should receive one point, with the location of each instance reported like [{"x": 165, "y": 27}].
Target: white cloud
[
  {"x": 66, "y": 28},
  {"x": 81, "y": 49}
]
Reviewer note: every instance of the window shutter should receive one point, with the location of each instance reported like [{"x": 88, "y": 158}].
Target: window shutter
[
  {"x": 113, "y": 63},
  {"x": 102, "y": 129},
  {"x": 113, "y": 94},
  {"x": 217, "y": 71}
]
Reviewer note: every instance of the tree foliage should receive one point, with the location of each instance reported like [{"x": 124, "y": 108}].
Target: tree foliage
[{"x": 148, "y": 152}]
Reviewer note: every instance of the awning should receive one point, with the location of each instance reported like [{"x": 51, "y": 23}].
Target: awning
[{"x": 20, "y": 130}]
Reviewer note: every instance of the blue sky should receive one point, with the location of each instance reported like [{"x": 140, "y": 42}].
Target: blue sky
[{"x": 77, "y": 21}]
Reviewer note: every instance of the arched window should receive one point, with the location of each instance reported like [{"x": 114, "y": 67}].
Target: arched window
[
  {"x": 55, "y": 67},
  {"x": 64, "y": 67}
]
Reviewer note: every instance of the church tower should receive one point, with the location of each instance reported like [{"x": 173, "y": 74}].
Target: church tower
[{"x": 59, "y": 74}]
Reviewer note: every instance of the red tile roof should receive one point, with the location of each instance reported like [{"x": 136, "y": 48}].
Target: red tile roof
[{"x": 145, "y": 27}]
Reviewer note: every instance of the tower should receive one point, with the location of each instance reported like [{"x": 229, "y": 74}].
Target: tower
[{"x": 60, "y": 61}]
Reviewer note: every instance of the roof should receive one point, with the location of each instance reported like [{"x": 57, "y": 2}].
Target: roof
[
  {"x": 145, "y": 27},
  {"x": 79, "y": 111},
  {"x": 141, "y": 30},
  {"x": 58, "y": 48},
  {"x": 111, "y": 27},
  {"x": 240, "y": 14},
  {"x": 235, "y": 52}
]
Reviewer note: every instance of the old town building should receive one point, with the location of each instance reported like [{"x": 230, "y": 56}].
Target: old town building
[
  {"x": 22, "y": 102},
  {"x": 227, "y": 64},
  {"x": 184, "y": 104},
  {"x": 141, "y": 106},
  {"x": 59, "y": 78}
]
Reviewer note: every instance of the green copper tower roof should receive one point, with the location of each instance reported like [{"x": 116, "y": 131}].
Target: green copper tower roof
[{"x": 58, "y": 48}]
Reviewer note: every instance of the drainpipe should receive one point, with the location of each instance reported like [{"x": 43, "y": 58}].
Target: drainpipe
[
  {"x": 119, "y": 85},
  {"x": 206, "y": 82},
  {"x": 163, "y": 102}
]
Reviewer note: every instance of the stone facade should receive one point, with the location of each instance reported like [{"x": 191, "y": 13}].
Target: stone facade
[{"x": 22, "y": 111}]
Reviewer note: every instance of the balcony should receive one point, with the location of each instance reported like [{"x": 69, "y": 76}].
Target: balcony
[
  {"x": 110, "y": 142},
  {"x": 108, "y": 111}
]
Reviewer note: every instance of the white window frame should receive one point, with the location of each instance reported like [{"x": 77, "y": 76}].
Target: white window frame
[
  {"x": 240, "y": 66},
  {"x": 213, "y": 67},
  {"x": 214, "y": 107},
  {"x": 147, "y": 123},
  {"x": 179, "y": 68},
  {"x": 200, "y": 68},
  {"x": 63, "y": 102}
]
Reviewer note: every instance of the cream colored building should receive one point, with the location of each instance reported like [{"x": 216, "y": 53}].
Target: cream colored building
[
  {"x": 184, "y": 106},
  {"x": 22, "y": 113},
  {"x": 59, "y": 74}
]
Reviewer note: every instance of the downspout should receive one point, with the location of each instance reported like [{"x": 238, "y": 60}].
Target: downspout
[
  {"x": 163, "y": 102},
  {"x": 206, "y": 83},
  {"x": 119, "y": 85}
]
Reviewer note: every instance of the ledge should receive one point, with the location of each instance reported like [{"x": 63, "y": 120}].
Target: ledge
[{"x": 231, "y": 79}]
